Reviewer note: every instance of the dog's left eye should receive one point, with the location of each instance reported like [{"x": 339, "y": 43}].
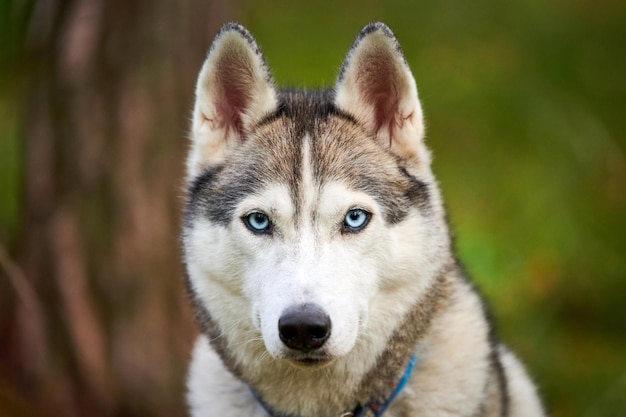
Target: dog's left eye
[
  {"x": 356, "y": 220},
  {"x": 258, "y": 222}
]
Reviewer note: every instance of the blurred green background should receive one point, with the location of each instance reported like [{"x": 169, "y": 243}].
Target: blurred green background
[{"x": 525, "y": 105}]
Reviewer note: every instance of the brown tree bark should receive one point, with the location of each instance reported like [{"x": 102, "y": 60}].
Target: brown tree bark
[{"x": 102, "y": 326}]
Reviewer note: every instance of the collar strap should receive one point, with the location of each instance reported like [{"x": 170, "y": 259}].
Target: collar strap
[{"x": 372, "y": 409}]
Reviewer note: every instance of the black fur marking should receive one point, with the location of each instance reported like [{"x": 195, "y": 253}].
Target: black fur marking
[
  {"x": 418, "y": 192},
  {"x": 395, "y": 203},
  {"x": 496, "y": 361},
  {"x": 495, "y": 358},
  {"x": 216, "y": 193},
  {"x": 305, "y": 107},
  {"x": 202, "y": 182},
  {"x": 396, "y": 194},
  {"x": 503, "y": 388},
  {"x": 196, "y": 191}
]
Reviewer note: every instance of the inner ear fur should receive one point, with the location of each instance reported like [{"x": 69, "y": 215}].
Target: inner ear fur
[
  {"x": 234, "y": 90},
  {"x": 376, "y": 86}
]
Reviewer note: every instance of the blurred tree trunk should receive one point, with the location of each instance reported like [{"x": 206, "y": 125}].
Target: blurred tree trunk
[{"x": 103, "y": 327}]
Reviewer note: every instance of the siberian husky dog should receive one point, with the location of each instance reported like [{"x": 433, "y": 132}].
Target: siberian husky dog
[{"x": 318, "y": 255}]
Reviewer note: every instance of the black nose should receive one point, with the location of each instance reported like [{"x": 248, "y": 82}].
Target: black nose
[{"x": 305, "y": 327}]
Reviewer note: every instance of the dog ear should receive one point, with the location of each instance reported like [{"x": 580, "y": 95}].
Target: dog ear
[
  {"x": 376, "y": 86},
  {"x": 234, "y": 90}
]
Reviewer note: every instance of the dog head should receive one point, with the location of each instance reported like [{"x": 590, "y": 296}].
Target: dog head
[{"x": 312, "y": 220}]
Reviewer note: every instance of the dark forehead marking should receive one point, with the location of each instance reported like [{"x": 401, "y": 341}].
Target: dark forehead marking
[
  {"x": 350, "y": 155},
  {"x": 341, "y": 150},
  {"x": 196, "y": 192},
  {"x": 298, "y": 114},
  {"x": 270, "y": 152},
  {"x": 216, "y": 192},
  {"x": 305, "y": 109},
  {"x": 418, "y": 191}
]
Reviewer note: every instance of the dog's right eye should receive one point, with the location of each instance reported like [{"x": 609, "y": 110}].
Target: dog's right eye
[
  {"x": 356, "y": 220},
  {"x": 258, "y": 222}
]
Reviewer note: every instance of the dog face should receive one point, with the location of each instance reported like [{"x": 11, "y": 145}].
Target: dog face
[{"x": 306, "y": 211}]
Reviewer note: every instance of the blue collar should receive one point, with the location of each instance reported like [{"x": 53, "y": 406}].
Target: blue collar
[{"x": 372, "y": 409}]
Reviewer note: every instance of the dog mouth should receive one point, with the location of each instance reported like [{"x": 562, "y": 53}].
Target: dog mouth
[{"x": 310, "y": 362}]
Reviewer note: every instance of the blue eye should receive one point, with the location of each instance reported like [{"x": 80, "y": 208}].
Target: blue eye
[
  {"x": 258, "y": 222},
  {"x": 356, "y": 220}
]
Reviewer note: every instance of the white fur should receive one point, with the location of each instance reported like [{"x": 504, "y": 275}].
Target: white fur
[
  {"x": 524, "y": 399},
  {"x": 214, "y": 391},
  {"x": 365, "y": 282},
  {"x": 344, "y": 274}
]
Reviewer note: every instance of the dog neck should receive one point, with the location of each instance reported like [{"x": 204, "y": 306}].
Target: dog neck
[{"x": 375, "y": 408}]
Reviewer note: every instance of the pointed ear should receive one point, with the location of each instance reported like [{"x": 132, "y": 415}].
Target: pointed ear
[
  {"x": 234, "y": 90},
  {"x": 376, "y": 86}
]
